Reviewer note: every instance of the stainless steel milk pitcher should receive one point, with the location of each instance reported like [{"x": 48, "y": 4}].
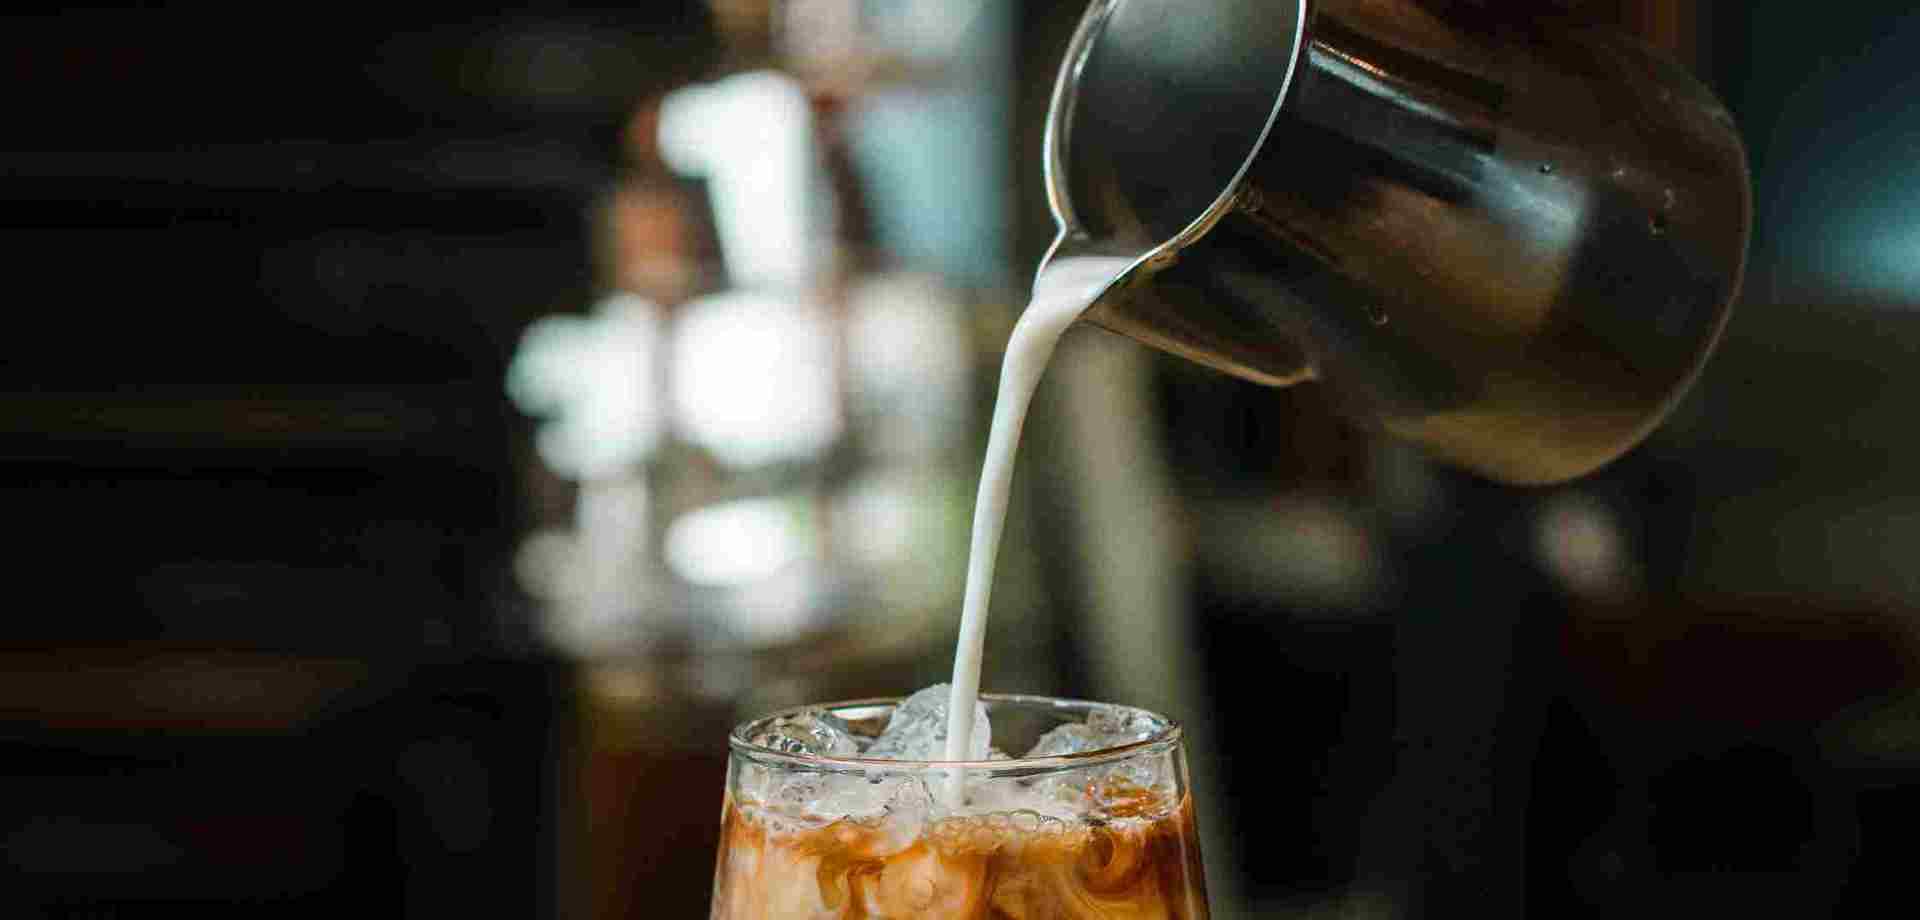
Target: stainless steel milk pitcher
[{"x": 1513, "y": 241}]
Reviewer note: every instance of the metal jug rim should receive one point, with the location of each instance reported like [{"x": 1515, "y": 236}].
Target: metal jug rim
[{"x": 1059, "y": 113}]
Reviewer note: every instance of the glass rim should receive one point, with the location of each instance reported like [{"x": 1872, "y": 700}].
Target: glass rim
[{"x": 1169, "y": 736}]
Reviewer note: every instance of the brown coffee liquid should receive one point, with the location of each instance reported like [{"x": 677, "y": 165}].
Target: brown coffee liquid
[{"x": 1140, "y": 861}]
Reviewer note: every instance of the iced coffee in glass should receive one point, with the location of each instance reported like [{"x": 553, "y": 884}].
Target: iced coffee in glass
[{"x": 843, "y": 811}]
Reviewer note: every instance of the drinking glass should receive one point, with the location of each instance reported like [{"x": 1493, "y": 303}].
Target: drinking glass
[{"x": 1103, "y": 832}]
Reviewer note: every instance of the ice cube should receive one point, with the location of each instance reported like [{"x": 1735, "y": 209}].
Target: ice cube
[
  {"x": 1116, "y": 726},
  {"x": 918, "y": 729},
  {"x": 1105, "y": 727},
  {"x": 1087, "y": 789},
  {"x": 905, "y": 813},
  {"x": 1071, "y": 738},
  {"x": 792, "y": 797},
  {"x": 852, "y": 795},
  {"x": 809, "y": 731}
]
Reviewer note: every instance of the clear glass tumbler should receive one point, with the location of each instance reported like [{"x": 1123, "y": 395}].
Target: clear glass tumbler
[{"x": 1105, "y": 829}]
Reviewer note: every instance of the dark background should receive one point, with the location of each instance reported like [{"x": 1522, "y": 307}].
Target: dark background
[{"x": 266, "y": 271}]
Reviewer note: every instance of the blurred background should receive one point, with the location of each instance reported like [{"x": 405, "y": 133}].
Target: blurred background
[{"x": 424, "y": 437}]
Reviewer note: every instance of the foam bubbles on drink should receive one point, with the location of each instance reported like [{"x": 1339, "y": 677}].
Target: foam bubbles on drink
[{"x": 1062, "y": 291}]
